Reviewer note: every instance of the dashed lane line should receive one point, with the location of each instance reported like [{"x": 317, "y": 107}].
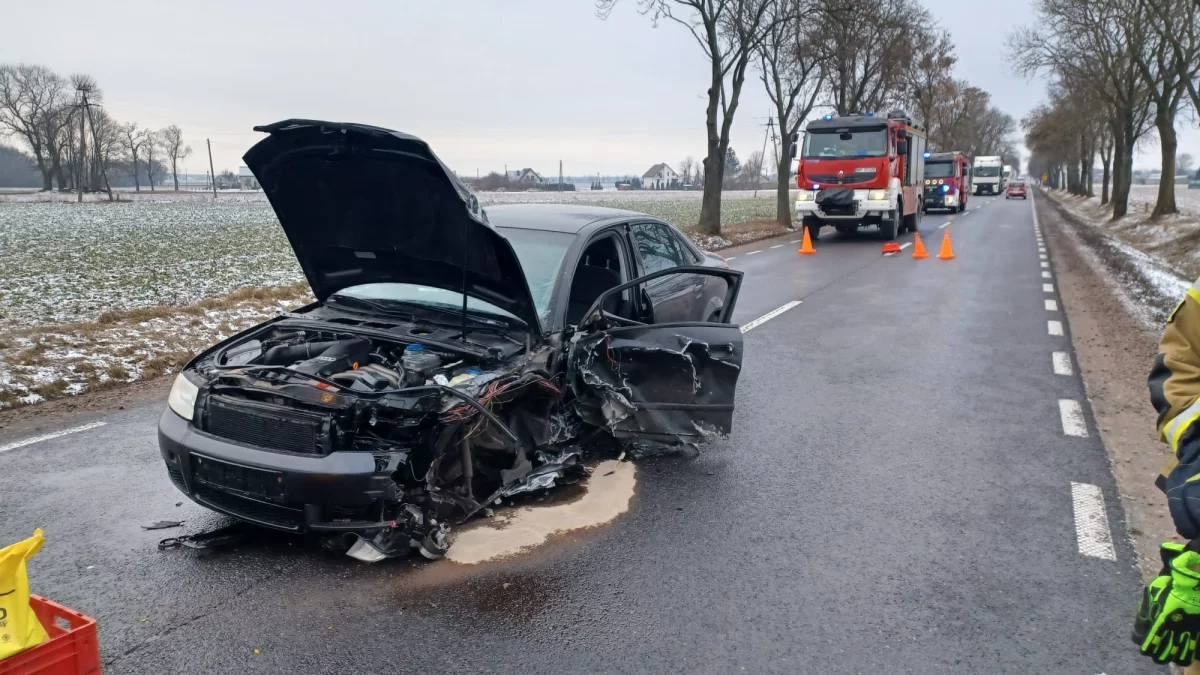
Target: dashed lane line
[
  {"x": 1049, "y": 288},
  {"x": 794, "y": 241},
  {"x": 943, "y": 226},
  {"x": 1071, "y": 413},
  {"x": 732, "y": 257},
  {"x": 1054, "y": 328},
  {"x": 746, "y": 328},
  {"x": 45, "y": 437},
  {"x": 1045, "y": 264},
  {"x": 1091, "y": 522},
  {"x": 1042, "y": 256},
  {"x": 1045, "y": 274},
  {"x": 777, "y": 245},
  {"x": 1062, "y": 363},
  {"x": 1051, "y": 306},
  {"x": 905, "y": 245},
  {"x": 753, "y": 252}
]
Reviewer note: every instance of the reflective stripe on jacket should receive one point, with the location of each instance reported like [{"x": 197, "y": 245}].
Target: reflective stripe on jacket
[{"x": 1175, "y": 393}]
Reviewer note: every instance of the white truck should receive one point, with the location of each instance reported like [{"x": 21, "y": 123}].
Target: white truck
[
  {"x": 987, "y": 175},
  {"x": 1007, "y": 175}
]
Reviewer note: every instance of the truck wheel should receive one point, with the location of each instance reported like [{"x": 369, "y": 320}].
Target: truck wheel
[
  {"x": 814, "y": 229},
  {"x": 962, "y": 206},
  {"x": 890, "y": 225},
  {"x": 912, "y": 222}
]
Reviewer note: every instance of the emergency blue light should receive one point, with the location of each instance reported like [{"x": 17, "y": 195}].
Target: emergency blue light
[
  {"x": 928, "y": 154},
  {"x": 828, "y": 117},
  {"x": 816, "y": 187},
  {"x": 870, "y": 114},
  {"x": 945, "y": 188}
]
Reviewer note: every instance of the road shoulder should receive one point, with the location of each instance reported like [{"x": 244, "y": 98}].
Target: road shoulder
[{"x": 1114, "y": 352}]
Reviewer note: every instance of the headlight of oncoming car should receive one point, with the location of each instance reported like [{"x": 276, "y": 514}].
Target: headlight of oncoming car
[
  {"x": 804, "y": 196},
  {"x": 877, "y": 195},
  {"x": 182, "y": 398}
]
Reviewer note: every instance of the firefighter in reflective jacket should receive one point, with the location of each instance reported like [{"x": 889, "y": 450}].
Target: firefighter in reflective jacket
[{"x": 1167, "y": 624}]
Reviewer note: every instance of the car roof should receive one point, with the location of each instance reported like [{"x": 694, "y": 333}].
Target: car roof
[{"x": 570, "y": 218}]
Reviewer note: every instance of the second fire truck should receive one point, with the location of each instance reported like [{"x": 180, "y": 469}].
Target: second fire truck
[{"x": 947, "y": 181}]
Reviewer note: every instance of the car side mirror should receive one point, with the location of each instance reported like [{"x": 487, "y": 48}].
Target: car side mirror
[
  {"x": 902, "y": 133},
  {"x": 902, "y": 147},
  {"x": 792, "y": 150}
]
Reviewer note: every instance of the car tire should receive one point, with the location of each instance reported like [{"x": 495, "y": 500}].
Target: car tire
[
  {"x": 912, "y": 223},
  {"x": 889, "y": 226}
]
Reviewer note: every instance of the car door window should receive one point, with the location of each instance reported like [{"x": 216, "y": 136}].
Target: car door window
[{"x": 657, "y": 247}]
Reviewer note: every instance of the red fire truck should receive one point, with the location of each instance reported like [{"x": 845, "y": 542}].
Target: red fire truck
[
  {"x": 947, "y": 181},
  {"x": 859, "y": 170}
]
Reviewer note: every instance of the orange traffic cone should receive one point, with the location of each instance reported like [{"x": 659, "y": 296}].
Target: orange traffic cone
[
  {"x": 919, "y": 248},
  {"x": 891, "y": 247},
  {"x": 947, "y": 252},
  {"x": 806, "y": 247}
]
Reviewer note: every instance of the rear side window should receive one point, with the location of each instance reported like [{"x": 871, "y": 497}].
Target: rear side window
[{"x": 657, "y": 247}]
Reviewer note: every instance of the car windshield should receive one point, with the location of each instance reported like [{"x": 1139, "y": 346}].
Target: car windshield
[
  {"x": 939, "y": 170},
  {"x": 1017, "y": 184},
  {"x": 831, "y": 144},
  {"x": 987, "y": 171},
  {"x": 541, "y": 254}
]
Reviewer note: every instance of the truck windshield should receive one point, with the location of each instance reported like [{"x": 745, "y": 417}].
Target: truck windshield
[
  {"x": 939, "y": 170},
  {"x": 987, "y": 171},
  {"x": 830, "y": 145}
]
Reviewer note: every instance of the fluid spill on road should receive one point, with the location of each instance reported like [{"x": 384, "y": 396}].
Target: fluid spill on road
[{"x": 608, "y": 493}]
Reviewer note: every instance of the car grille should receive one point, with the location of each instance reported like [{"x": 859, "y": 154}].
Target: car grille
[
  {"x": 834, "y": 179},
  {"x": 176, "y": 476},
  {"x": 267, "y": 426},
  {"x": 249, "y": 509}
]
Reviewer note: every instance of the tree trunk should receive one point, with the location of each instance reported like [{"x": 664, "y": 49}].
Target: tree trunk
[
  {"x": 1169, "y": 143},
  {"x": 137, "y": 185},
  {"x": 1107, "y": 161},
  {"x": 175, "y": 173},
  {"x": 1120, "y": 193},
  {"x": 783, "y": 187},
  {"x": 47, "y": 185}
]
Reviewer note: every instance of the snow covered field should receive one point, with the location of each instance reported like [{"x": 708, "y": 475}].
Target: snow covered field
[{"x": 100, "y": 292}]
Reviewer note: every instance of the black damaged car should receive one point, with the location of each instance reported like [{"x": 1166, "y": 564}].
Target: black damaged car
[{"x": 454, "y": 356}]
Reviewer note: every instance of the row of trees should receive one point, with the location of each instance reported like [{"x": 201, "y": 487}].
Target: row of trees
[
  {"x": 74, "y": 142},
  {"x": 845, "y": 55},
  {"x": 1122, "y": 71}
]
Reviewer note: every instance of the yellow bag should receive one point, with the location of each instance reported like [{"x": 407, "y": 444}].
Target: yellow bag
[{"x": 19, "y": 626}]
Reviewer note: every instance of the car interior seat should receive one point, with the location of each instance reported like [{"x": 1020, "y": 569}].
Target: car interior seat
[{"x": 597, "y": 272}]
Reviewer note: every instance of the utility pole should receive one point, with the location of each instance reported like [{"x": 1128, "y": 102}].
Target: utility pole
[
  {"x": 762, "y": 156},
  {"x": 561, "y": 187},
  {"x": 211, "y": 171},
  {"x": 79, "y": 157}
]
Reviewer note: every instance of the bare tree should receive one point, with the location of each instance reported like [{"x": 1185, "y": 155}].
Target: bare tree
[
  {"x": 686, "y": 166},
  {"x": 752, "y": 168},
  {"x": 34, "y": 106},
  {"x": 728, "y": 32},
  {"x": 866, "y": 46},
  {"x": 175, "y": 150},
  {"x": 152, "y": 150},
  {"x": 791, "y": 70},
  {"x": 1185, "y": 163},
  {"x": 132, "y": 140}
]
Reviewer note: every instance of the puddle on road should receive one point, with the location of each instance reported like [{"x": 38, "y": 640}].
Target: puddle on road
[{"x": 605, "y": 496}]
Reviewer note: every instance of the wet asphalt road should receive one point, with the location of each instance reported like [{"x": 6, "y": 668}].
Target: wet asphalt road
[{"x": 895, "y": 498}]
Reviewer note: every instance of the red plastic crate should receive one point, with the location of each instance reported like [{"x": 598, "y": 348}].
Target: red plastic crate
[{"x": 73, "y": 650}]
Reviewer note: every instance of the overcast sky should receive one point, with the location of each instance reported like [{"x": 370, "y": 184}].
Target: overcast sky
[{"x": 487, "y": 83}]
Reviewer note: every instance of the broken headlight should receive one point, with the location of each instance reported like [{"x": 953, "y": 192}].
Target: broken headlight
[{"x": 182, "y": 398}]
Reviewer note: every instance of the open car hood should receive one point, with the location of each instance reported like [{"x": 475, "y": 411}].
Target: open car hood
[{"x": 362, "y": 204}]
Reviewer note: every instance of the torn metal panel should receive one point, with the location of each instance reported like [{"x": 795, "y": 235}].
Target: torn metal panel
[{"x": 664, "y": 383}]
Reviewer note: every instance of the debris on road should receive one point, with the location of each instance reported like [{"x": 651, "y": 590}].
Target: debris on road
[
  {"x": 162, "y": 524},
  {"x": 224, "y": 537}
]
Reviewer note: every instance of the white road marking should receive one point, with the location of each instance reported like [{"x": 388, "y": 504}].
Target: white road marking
[
  {"x": 732, "y": 257},
  {"x": 904, "y": 246},
  {"x": 943, "y": 226},
  {"x": 1045, "y": 264},
  {"x": 746, "y": 328},
  {"x": 966, "y": 213},
  {"x": 1049, "y": 288},
  {"x": 794, "y": 241},
  {"x": 1073, "y": 423},
  {"x": 753, "y": 252},
  {"x": 1054, "y": 327},
  {"x": 1051, "y": 306},
  {"x": 45, "y": 437},
  {"x": 1042, "y": 256},
  {"x": 1091, "y": 522},
  {"x": 1045, "y": 274},
  {"x": 1062, "y": 363},
  {"x": 777, "y": 245}
]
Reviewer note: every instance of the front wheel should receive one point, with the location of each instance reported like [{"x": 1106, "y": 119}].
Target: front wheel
[
  {"x": 890, "y": 225},
  {"x": 912, "y": 222}
]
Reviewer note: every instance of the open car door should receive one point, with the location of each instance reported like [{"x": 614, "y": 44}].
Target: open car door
[{"x": 666, "y": 382}]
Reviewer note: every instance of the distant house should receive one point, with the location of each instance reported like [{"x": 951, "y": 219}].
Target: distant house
[
  {"x": 526, "y": 177},
  {"x": 246, "y": 179},
  {"x": 660, "y": 177}
]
